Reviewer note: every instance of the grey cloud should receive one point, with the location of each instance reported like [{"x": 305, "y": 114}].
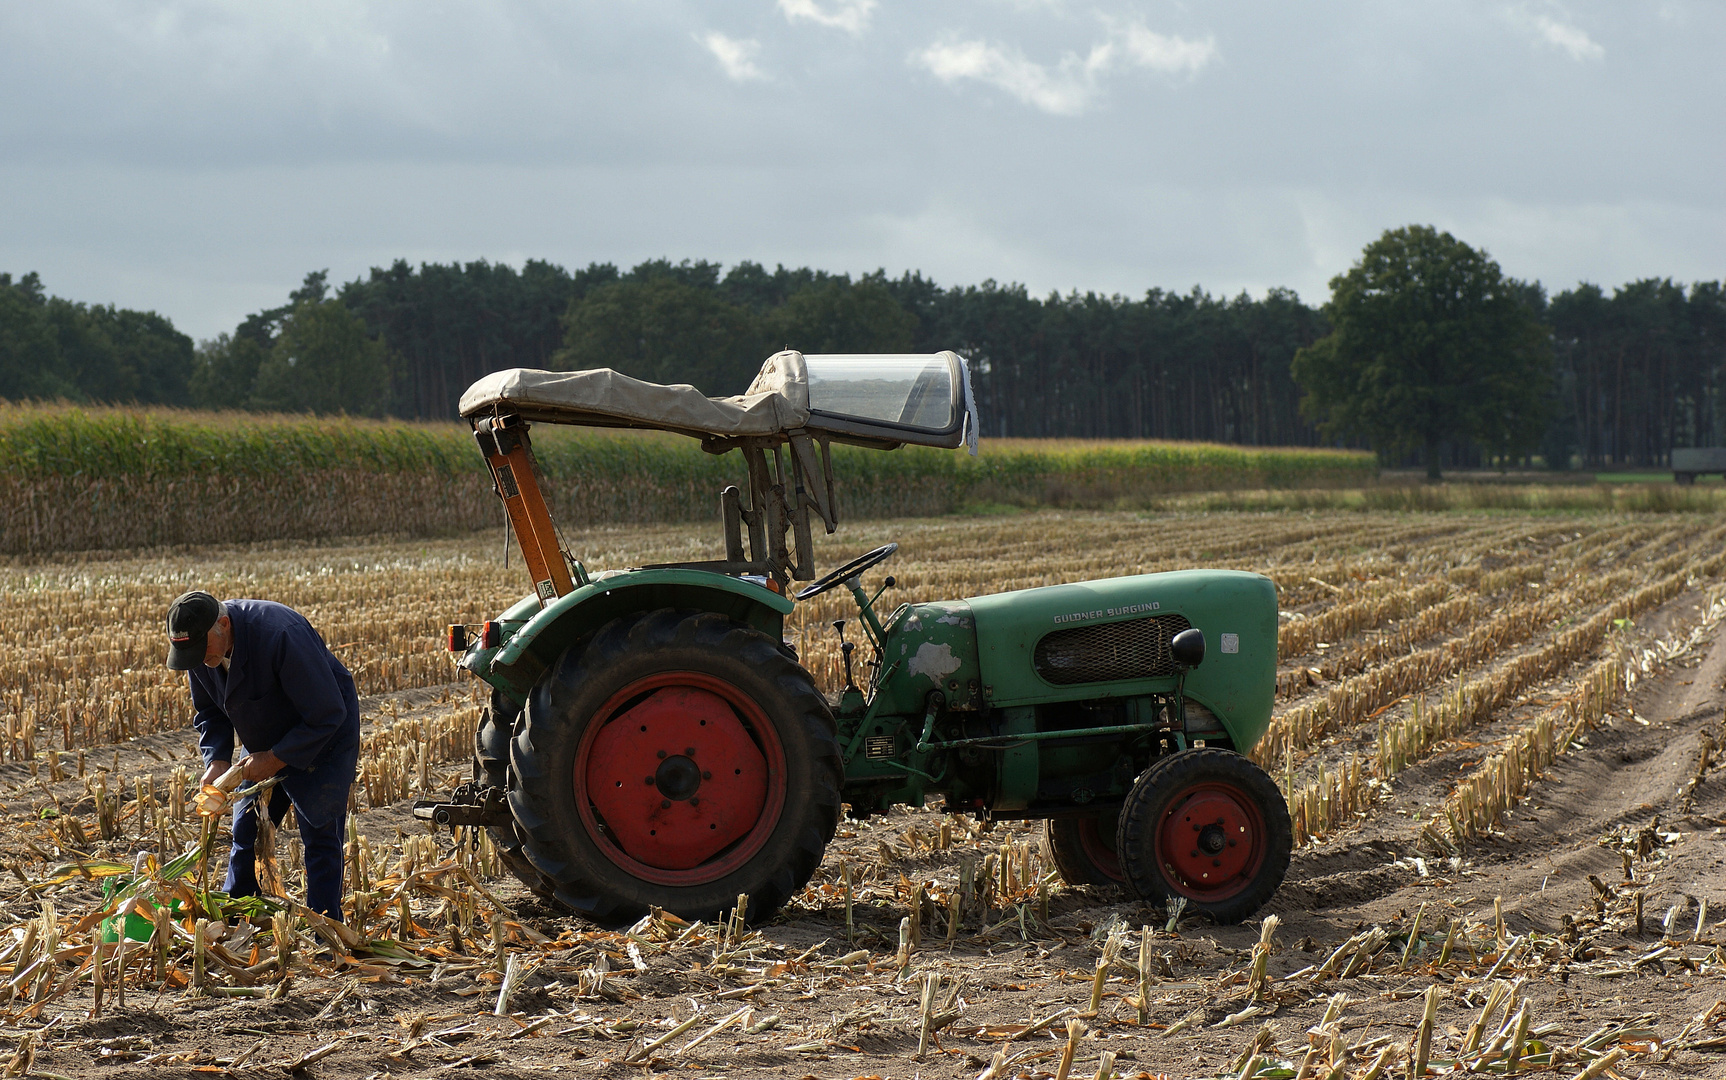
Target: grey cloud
[
  {"x": 199, "y": 158},
  {"x": 1071, "y": 85},
  {"x": 851, "y": 16},
  {"x": 1549, "y": 24},
  {"x": 736, "y": 56}
]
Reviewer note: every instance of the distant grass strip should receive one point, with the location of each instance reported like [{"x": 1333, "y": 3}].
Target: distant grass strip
[
  {"x": 74, "y": 478},
  {"x": 1467, "y": 495},
  {"x": 1058, "y": 472}
]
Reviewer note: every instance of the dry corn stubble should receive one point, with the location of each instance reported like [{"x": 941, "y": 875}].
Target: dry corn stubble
[
  {"x": 82, "y": 661},
  {"x": 1506, "y": 777},
  {"x": 1300, "y": 728},
  {"x": 1335, "y": 798},
  {"x": 420, "y": 907}
]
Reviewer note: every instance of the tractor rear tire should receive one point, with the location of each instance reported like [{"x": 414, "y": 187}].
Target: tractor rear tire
[
  {"x": 1207, "y": 825},
  {"x": 1083, "y": 850},
  {"x": 676, "y": 759},
  {"x": 491, "y": 768}
]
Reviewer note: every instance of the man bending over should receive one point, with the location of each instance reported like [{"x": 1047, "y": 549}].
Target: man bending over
[{"x": 258, "y": 670}]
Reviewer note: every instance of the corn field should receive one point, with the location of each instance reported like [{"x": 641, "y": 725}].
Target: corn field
[
  {"x": 84, "y": 479},
  {"x": 1483, "y": 648}
]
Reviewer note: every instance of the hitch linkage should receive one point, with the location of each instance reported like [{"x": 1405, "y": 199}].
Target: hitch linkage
[{"x": 470, "y": 804}]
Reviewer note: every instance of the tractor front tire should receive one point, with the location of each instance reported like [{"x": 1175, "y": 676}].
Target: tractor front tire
[
  {"x": 1083, "y": 850},
  {"x": 1207, "y": 825},
  {"x": 676, "y": 759}
]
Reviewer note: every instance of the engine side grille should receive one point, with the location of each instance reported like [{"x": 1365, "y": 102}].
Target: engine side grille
[{"x": 1135, "y": 649}]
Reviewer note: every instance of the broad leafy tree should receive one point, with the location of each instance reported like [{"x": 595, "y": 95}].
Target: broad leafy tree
[
  {"x": 30, "y": 364},
  {"x": 56, "y": 348},
  {"x": 323, "y": 361},
  {"x": 152, "y": 362},
  {"x": 1430, "y": 344},
  {"x": 225, "y": 370}
]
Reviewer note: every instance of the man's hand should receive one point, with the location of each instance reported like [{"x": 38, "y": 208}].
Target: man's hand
[
  {"x": 262, "y": 766},
  {"x": 216, "y": 769}
]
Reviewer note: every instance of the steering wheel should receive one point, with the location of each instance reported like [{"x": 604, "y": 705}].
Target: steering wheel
[{"x": 850, "y": 570}]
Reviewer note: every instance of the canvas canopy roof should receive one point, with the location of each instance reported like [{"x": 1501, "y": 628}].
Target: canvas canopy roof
[{"x": 871, "y": 400}]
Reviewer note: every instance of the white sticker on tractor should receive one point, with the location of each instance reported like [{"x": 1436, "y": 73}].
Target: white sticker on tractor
[
  {"x": 935, "y": 661},
  {"x": 1231, "y": 643}
]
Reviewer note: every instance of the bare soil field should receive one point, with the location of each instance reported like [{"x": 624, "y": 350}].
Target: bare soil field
[{"x": 1497, "y": 734}]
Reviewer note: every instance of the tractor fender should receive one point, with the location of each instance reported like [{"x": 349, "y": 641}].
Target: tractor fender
[{"x": 518, "y": 665}]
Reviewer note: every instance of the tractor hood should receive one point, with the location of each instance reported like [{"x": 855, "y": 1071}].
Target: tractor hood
[{"x": 1110, "y": 638}]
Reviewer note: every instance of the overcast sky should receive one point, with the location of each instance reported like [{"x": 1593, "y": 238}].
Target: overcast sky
[{"x": 197, "y": 158}]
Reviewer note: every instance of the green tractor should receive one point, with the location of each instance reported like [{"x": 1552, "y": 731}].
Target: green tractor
[{"x": 653, "y": 741}]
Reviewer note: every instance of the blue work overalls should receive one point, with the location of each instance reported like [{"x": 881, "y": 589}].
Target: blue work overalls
[{"x": 283, "y": 691}]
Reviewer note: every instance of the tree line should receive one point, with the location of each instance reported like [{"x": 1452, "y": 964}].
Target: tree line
[
  {"x": 54, "y": 348},
  {"x": 1628, "y": 374}
]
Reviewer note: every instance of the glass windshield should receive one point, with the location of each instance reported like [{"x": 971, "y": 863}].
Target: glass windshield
[{"x": 916, "y": 391}]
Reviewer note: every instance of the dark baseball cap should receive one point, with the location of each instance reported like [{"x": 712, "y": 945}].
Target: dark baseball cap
[{"x": 189, "y": 620}]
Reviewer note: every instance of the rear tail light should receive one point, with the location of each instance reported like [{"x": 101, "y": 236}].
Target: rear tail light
[
  {"x": 491, "y": 635},
  {"x": 457, "y": 641}
]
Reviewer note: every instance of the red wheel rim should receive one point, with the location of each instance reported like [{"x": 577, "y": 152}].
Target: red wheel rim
[
  {"x": 1211, "y": 842},
  {"x": 1098, "y": 844},
  {"x": 664, "y": 814}
]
